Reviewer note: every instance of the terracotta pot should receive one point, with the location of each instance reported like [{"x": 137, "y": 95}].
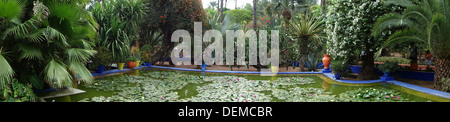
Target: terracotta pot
[
  {"x": 148, "y": 55},
  {"x": 414, "y": 66},
  {"x": 131, "y": 64},
  {"x": 326, "y": 61}
]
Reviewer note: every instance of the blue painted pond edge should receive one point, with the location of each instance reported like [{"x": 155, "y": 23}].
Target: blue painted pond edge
[{"x": 329, "y": 75}]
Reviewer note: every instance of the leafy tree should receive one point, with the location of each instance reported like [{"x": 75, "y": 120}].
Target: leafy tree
[
  {"x": 171, "y": 15},
  {"x": 427, "y": 23},
  {"x": 349, "y": 27},
  {"x": 240, "y": 15},
  {"x": 45, "y": 42}
]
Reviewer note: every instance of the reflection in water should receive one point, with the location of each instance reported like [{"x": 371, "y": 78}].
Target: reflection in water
[{"x": 325, "y": 86}]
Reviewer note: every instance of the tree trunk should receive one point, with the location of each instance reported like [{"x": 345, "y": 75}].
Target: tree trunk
[
  {"x": 367, "y": 67},
  {"x": 442, "y": 71},
  {"x": 323, "y": 7},
  {"x": 221, "y": 11},
  {"x": 166, "y": 47},
  {"x": 303, "y": 46},
  {"x": 218, "y": 6},
  {"x": 254, "y": 13}
]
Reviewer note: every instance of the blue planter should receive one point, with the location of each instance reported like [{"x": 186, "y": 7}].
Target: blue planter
[
  {"x": 203, "y": 67},
  {"x": 337, "y": 75},
  {"x": 386, "y": 76},
  {"x": 148, "y": 64},
  {"x": 100, "y": 69},
  {"x": 355, "y": 69}
]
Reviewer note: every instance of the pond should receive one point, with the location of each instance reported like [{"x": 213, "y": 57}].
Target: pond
[{"x": 154, "y": 85}]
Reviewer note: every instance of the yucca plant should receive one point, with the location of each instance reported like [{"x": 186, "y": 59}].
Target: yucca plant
[
  {"x": 50, "y": 40},
  {"x": 119, "y": 24},
  {"x": 308, "y": 32},
  {"x": 427, "y": 23}
]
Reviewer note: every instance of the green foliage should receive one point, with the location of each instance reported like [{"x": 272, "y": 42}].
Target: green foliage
[
  {"x": 119, "y": 24},
  {"x": 312, "y": 61},
  {"x": 146, "y": 49},
  {"x": 132, "y": 58},
  {"x": 240, "y": 15},
  {"x": 349, "y": 24},
  {"x": 103, "y": 57},
  {"x": 425, "y": 23},
  {"x": 11, "y": 9},
  {"x": 45, "y": 42},
  {"x": 373, "y": 95},
  {"x": 393, "y": 59},
  {"x": 341, "y": 67},
  {"x": 388, "y": 67},
  {"x": 308, "y": 32},
  {"x": 171, "y": 15},
  {"x": 18, "y": 92}
]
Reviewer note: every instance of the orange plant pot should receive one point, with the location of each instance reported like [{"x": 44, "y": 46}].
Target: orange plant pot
[
  {"x": 131, "y": 64},
  {"x": 414, "y": 66},
  {"x": 326, "y": 61}
]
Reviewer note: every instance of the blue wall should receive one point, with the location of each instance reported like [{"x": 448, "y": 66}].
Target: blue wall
[{"x": 425, "y": 76}]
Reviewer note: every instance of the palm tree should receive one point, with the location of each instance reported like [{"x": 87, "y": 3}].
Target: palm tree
[
  {"x": 221, "y": 10},
  {"x": 255, "y": 2},
  {"x": 324, "y": 5},
  {"x": 46, "y": 43},
  {"x": 426, "y": 23},
  {"x": 213, "y": 4},
  {"x": 308, "y": 32}
]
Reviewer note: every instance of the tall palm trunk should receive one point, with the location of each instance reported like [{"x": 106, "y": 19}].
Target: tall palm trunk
[
  {"x": 442, "y": 71},
  {"x": 323, "y": 7},
  {"x": 221, "y": 11},
  {"x": 254, "y": 12},
  {"x": 218, "y": 5}
]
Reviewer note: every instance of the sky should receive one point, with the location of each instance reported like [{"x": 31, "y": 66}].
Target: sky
[{"x": 231, "y": 3}]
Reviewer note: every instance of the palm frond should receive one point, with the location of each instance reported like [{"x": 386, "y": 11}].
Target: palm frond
[
  {"x": 81, "y": 71},
  {"x": 404, "y": 3},
  {"x": 53, "y": 34},
  {"x": 79, "y": 55},
  {"x": 21, "y": 29},
  {"x": 6, "y": 72},
  {"x": 11, "y": 9},
  {"x": 56, "y": 74},
  {"x": 389, "y": 21},
  {"x": 30, "y": 51}
]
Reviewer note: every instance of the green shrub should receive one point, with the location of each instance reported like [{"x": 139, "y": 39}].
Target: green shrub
[
  {"x": 103, "y": 57},
  {"x": 393, "y": 59},
  {"x": 388, "y": 67},
  {"x": 132, "y": 58},
  {"x": 340, "y": 67},
  {"x": 143, "y": 53}
]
